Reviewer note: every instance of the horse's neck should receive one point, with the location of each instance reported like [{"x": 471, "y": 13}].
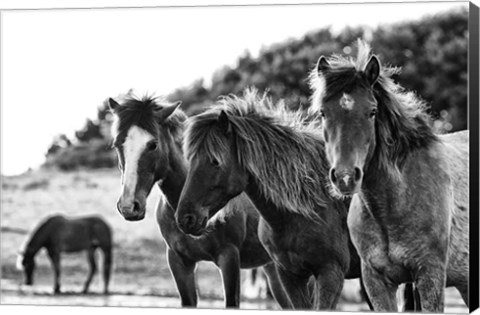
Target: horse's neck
[
  {"x": 270, "y": 212},
  {"x": 36, "y": 242},
  {"x": 172, "y": 185},
  {"x": 378, "y": 190}
]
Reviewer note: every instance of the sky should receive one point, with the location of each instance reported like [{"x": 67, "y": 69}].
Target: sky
[{"x": 58, "y": 66}]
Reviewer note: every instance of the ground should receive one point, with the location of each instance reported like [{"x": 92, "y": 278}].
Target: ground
[{"x": 140, "y": 272}]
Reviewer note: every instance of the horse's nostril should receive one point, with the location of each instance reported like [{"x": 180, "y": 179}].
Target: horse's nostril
[
  {"x": 136, "y": 206},
  {"x": 358, "y": 174},
  {"x": 189, "y": 220},
  {"x": 333, "y": 178}
]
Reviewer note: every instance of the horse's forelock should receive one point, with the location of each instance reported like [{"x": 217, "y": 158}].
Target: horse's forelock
[
  {"x": 201, "y": 138},
  {"x": 141, "y": 112}
]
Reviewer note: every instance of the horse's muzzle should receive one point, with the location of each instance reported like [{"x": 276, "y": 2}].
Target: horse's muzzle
[
  {"x": 131, "y": 211},
  {"x": 346, "y": 182}
]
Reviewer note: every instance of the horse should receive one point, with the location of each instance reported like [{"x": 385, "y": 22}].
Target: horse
[
  {"x": 147, "y": 134},
  {"x": 248, "y": 145},
  {"x": 59, "y": 234},
  {"x": 409, "y": 215}
]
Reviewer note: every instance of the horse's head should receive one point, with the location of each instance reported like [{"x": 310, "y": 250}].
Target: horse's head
[
  {"x": 214, "y": 176},
  {"x": 143, "y": 138},
  {"x": 26, "y": 263},
  {"x": 345, "y": 100}
]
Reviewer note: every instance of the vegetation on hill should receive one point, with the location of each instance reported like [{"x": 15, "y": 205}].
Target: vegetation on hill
[{"x": 432, "y": 53}]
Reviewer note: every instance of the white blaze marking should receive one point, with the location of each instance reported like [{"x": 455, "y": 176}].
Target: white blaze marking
[
  {"x": 19, "y": 264},
  {"x": 346, "y": 178},
  {"x": 21, "y": 251},
  {"x": 346, "y": 101},
  {"x": 133, "y": 147}
]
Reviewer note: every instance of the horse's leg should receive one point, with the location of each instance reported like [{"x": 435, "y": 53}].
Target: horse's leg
[
  {"x": 409, "y": 298},
  {"x": 184, "y": 275},
  {"x": 276, "y": 287},
  {"x": 92, "y": 270},
  {"x": 430, "y": 282},
  {"x": 229, "y": 263},
  {"x": 107, "y": 266},
  {"x": 55, "y": 260},
  {"x": 382, "y": 295},
  {"x": 328, "y": 287},
  {"x": 296, "y": 289},
  {"x": 416, "y": 297}
]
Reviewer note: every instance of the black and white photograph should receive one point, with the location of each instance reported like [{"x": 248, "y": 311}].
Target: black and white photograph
[{"x": 259, "y": 156}]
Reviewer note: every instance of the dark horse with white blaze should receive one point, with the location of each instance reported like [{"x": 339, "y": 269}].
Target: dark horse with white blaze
[
  {"x": 59, "y": 234},
  {"x": 277, "y": 159},
  {"x": 409, "y": 214},
  {"x": 148, "y": 136}
]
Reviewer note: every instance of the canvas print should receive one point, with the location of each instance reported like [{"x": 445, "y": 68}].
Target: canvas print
[{"x": 268, "y": 157}]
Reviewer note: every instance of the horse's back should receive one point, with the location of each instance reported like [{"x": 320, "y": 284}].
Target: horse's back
[
  {"x": 76, "y": 234},
  {"x": 457, "y": 156},
  {"x": 457, "y": 159},
  {"x": 457, "y": 144},
  {"x": 100, "y": 231}
]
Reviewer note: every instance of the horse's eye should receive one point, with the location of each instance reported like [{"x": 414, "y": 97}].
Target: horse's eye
[
  {"x": 152, "y": 146},
  {"x": 322, "y": 114},
  {"x": 215, "y": 162},
  {"x": 373, "y": 113}
]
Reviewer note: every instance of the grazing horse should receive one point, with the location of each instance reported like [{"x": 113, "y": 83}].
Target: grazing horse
[
  {"x": 59, "y": 234},
  {"x": 276, "y": 158},
  {"x": 148, "y": 134},
  {"x": 409, "y": 214}
]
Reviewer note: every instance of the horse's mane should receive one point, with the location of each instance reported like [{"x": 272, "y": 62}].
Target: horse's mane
[
  {"x": 141, "y": 112},
  {"x": 402, "y": 122},
  {"x": 282, "y": 150}
]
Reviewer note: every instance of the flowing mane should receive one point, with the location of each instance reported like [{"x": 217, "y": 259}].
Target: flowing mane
[
  {"x": 35, "y": 239},
  {"x": 402, "y": 123},
  {"x": 141, "y": 112},
  {"x": 282, "y": 150}
]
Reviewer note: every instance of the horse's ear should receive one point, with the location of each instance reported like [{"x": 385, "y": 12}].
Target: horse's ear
[
  {"x": 372, "y": 70},
  {"x": 112, "y": 104},
  {"x": 224, "y": 122},
  {"x": 322, "y": 64},
  {"x": 166, "y": 112}
]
